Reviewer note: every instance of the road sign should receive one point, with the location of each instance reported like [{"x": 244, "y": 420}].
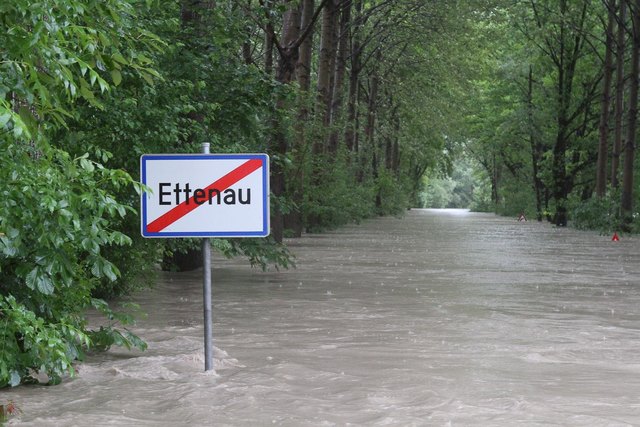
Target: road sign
[{"x": 205, "y": 195}]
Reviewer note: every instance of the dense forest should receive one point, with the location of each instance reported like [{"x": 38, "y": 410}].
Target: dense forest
[{"x": 365, "y": 107}]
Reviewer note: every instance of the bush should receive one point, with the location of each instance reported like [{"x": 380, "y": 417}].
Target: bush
[
  {"x": 57, "y": 215},
  {"x": 601, "y": 214},
  {"x": 30, "y": 344},
  {"x": 394, "y": 198}
]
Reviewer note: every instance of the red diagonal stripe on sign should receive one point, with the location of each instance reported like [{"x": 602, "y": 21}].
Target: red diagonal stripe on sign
[{"x": 187, "y": 206}]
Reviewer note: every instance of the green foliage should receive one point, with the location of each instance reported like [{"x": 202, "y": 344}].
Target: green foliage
[
  {"x": 602, "y": 214},
  {"x": 516, "y": 197},
  {"x": 204, "y": 94},
  {"x": 482, "y": 199},
  {"x": 54, "y": 52},
  {"x": 30, "y": 345},
  {"x": 438, "y": 193},
  {"x": 53, "y": 232},
  {"x": 59, "y": 209},
  {"x": 57, "y": 215},
  {"x": 111, "y": 334},
  {"x": 394, "y": 197},
  {"x": 336, "y": 197},
  {"x": 533, "y": 114},
  {"x": 462, "y": 189}
]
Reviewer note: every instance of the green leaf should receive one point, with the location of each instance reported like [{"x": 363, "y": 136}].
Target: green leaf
[
  {"x": 143, "y": 58},
  {"x": 45, "y": 285},
  {"x": 27, "y": 118},
  {"x": 110, "y": 271},
  {"x": 86, "y": 93},
  {"x": 147, "y": 77},
  {"x": 4, "y": 119},
  {"x": 116, "y": 76},
  {"x": 86, "y": 165},
  {"x": 104, "y": 86},
  {"x": 32, "y": 278},
  {"x": 119, "y": 58},
  {"x": 93, "y": 76}
]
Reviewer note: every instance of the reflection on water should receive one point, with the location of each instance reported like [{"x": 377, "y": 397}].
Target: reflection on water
[{"x": 438, "y": 318}]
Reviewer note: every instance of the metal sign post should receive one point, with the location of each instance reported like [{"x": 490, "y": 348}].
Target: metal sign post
[
  {"x": 205, "y": 195},
  {"x": 206, "y": 289}
]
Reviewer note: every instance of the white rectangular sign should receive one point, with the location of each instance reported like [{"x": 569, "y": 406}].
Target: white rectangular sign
[{"x": 205, "y": 195}]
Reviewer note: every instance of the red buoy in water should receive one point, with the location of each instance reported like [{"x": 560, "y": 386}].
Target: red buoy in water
[{"x": 615, "y": 237}]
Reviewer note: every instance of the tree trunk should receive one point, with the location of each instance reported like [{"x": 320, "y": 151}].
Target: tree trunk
[
  {"x": 326, "y": 70},
  {"x": 559, "y": 168},
  {"x": 287, "y": 59},
  {"x": 495, "y": 182},
  {"x": 341, "y": 65},
  {"x": 369, "y": 130},
  {"x": 603, "y": 146},
  {"x": 391, "y": 138},
  {"x": 571, "y": 40},
  {"x": 372, "y": 104},
  {"x": 294, "y": 220},
  {"x": 303, "y": 67},
  {"x": 393, "y": 161},
  {"x": 354, "y": 74},
  {"x": 288, "y": 53},
  {"x": 617, "y": 140},
  {"x": 629, "y": 152},
  {"x": 190, "y": 12},
  {"x": 268, "y": 50},
  {"x": 537, "y": 149}
]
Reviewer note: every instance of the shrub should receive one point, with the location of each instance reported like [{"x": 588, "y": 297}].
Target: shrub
[{"x": 57, "y": 215}]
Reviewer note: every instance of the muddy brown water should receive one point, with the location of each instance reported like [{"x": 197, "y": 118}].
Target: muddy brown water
[{"x": 441, "y": 317}]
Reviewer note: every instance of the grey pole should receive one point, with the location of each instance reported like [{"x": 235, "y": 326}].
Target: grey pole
[{"x": 206, "y": 282}]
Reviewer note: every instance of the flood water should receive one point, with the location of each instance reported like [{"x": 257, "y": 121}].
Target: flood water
[{"x": 434, "y": 319}]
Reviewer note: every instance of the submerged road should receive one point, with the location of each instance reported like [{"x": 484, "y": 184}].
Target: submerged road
[{"x": 438, "y": 318}]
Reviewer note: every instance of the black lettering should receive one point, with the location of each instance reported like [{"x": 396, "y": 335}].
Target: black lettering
[
  {"x": 162, "y": 193},
  {"x": 212, "y": 192},
  {"x": 248, "y": 200},
  {"x": 229, "y": 197},
  {"x": 187, "y": 192},
  {"x": 199, "y": 196},
  {"x": 177, "y": 190}
]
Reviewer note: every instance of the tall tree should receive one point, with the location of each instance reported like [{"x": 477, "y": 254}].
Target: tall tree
[
  {"x": 603, "y": 146},
  {"x": 326, "y": 64},
  {"x": 355, "y": 59},
  {"x": 629, "y": 151},
  {"x": 564, "y": 42},
  {"x": 619, "y": 101},
  {"x": 337, "y": 98},
  {"x": 294, "y": 220},
  {"x": 287, "y": 46}
]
